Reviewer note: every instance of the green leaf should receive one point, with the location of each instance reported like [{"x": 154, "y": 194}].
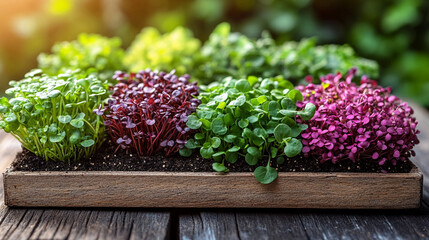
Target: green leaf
[
  {"x": 185, "y": 152},
  {"x": 80, "y": 116},
  {"x": 234, "y": 149},
  {"x": 253, "y": 118},
  {"x": 288, "y": 104},
  {"x": 282, "y": 131},
  {"x": 228, "y": 119},
  {"x": 295, "y": 95},
  {"x": 243, "y": 123},
  {"x": 64, "y": 119},
  {"x": 193, "y": 122},
  {"x": 293, "y": 147},
  {"x": 262, "y": 99},
  {"x": 57, "y": 138},
  {"x": 221, "y": 105},
  {"x": 216, "y": 142},
  {"x": 239, "y": 101},
  {"x": 206, "y": 153},
  {"x": 280, "y": 160},
  {"x": 199, "y": 136},
  {"x": 265, "y": 175},
  {"x": 10, "y": 118},
  {"x": 218, "y": 127},
  {"x": 191, "y": 144},
  {"x": 273, "y": 151},
  {"x": 217, "y": 154},
  {"x": 87, "y": 143},
  {"x": 221, "y": 98},
  {"x": 54, "y": 93},
  {"x": 74, "y": 137},
  {"x": 251, "y": 160},
  {"x": 252, "y": 80},
  {"x": 229, "y": 138},
  {"x": 254, "y": 151},
  {"x": 243, "y": 86},
  {"x": 231, "y": 157},
  {"x": 308, "y": 112},
  {"x": 219, "y": 167},
  {"x": 77, "y": 123},
  {"x": 273, "y": 108}
]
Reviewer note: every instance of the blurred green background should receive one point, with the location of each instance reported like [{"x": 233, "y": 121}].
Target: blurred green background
[{"x": 395, "y": 33}]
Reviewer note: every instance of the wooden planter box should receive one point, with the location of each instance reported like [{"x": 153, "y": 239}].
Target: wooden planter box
[{"x": 212, "y": 190}]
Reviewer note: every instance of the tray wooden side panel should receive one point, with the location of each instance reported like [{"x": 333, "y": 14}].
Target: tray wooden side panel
[{"x": 212, "y": 190}]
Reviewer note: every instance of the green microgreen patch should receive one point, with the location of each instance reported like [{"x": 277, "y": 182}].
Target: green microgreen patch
[
  {"x": 249, "y": 118},
  {"x": 53, "y": 117}
]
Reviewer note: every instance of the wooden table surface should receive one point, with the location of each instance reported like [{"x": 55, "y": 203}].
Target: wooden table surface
[{"x": 52, "y": 223}]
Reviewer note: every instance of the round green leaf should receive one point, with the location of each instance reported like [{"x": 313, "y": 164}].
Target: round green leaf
[
  {"x": 221, "y": 98},
  {"x": 254, "y": 151},
  {"x": 206, "y": 153},
  {"x": 77, "y": 123},
  {"x": 293, "y": 147},
  {"x": 231, "y": 157},
  {"x": 57, "y": 138},
  {"x": 185, "y": 152},
  {"x": 281, "y": 132},
  {"x": 75, "y": 137},
  {"x": 191, "y": 144},
  {"x": 280, "y": 160},
  {"x": 54, "y": 93},
  {"x": 199, "y": 136},
  {"x": 218, "y": 127},
  {"x": 87, "y": 143},
  {"x": 262, "y": 99},
  {"x": 273, "y": 108},
  {"x": 243, "y": 123},
  {"x": 217, "y": 154},
  {"x": 229, "y": 138},
  {"x": 219, "y": 167},
  {"x": 216, "y": 142},
  {"x": 193, "y": 122},
  {"x": 250, "y": 159},
  {"x": 252, "y": 80},
  {"x": 10, "y": 118},
  {"x": 265, "y": 175},
  {"x": 243, "y": 86},
  {"x": 64, "y": 118},
  {"x": 239, "y": 101},
  {"x": 234, "y": 149},
  {"x": 295, "y": 95},
  {"x": 308, "y": 112}
]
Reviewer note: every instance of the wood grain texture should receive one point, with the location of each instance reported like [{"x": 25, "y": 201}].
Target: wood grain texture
[
  {"x": 303, "y": 224},
  {"x": 208, "y": 190}
]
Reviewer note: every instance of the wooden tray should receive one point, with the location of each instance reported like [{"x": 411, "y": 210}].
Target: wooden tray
[{"x": 212, "y": 190}]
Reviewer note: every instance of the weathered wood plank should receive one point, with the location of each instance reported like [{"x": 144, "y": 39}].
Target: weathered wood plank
[
  {"x": 208, "y": 225},
  {"x": 162, "y": 189},
  {"x": 376, "y": 225},
  {"x": 273, "y": 224}
]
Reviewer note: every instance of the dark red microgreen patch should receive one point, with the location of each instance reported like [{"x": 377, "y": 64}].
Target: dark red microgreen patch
[{"x": 148, "y": 111}]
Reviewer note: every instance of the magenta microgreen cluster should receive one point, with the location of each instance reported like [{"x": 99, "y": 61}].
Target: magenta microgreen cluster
[
  {"x": 148, "y": 111},
  {"x": 358, "y": 122}
]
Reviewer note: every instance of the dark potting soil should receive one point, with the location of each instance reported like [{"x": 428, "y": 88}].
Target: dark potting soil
[{"x": 106, "y": 160}]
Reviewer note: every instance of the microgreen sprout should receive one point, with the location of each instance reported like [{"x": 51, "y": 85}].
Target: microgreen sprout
[
  {"x": 52, "y": 115},
  {"x": 250, "y": 118}
]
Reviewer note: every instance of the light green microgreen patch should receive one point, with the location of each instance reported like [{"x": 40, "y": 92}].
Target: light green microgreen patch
[
  {"x": 256, "y": 122},
  {"x": 90, "y": 53},
  {"x": 53, "y": 117}
]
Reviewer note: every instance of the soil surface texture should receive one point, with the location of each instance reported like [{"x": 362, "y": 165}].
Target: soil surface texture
[{"x": 106, "y": 160}]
